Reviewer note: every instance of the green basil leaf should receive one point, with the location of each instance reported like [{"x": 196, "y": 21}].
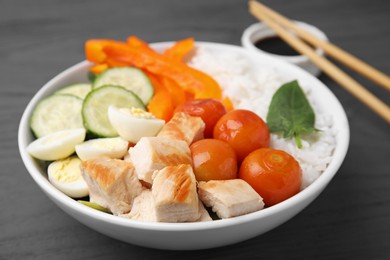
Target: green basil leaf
[{"x": 290, "y": 112}]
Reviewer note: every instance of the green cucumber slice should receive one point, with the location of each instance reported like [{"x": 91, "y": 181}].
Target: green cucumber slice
[
  {"x": 79, "y": 90},
  {"x": 95, "y": 107},
  {"x": 55, "y": 113},
  {"x": 130, "y": 78},
  {"x": 94, "y": 206}
]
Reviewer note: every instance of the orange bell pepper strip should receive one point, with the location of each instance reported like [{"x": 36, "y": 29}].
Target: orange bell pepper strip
[
  {"x": 180, "y": 49},
  {"x": 98, "y": 68},
  {"x": 115, "y": 63},
  {"x": 135, "y": 42},
  {"x": 190, "y": 79},
  {"x": 94, "y": 53},
  {"x": 177, "y": 93},
  {"x": 227, "y": 102},
  {"x": 161, "y": 104},
  {"x": 94, "y": 49}
]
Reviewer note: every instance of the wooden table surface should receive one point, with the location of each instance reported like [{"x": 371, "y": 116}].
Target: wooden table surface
[{"x": 39, "y": 39}]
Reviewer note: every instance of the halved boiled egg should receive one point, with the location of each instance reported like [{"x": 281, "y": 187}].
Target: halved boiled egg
[
  {"x": 57, "y": 145},
  {"x": 66, "y": 176},
  {"x": 111, "y": 147},
  {"x": 134, "y": 123}
]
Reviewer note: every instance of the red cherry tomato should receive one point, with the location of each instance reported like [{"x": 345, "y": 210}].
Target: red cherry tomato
[
  {"x": 274, "y": 174},
  {"x": 244, "y": 130},
  {"x": 210, "y": 110},
  {"x": 213, "y": 160}
]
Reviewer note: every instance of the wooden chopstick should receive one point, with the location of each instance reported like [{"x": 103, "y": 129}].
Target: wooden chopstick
[
  {"x": 331, "y": 49},
  {"x": 381, "y": 108}
]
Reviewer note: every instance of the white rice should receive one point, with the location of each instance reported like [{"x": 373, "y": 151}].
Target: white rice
[{"x": 253, "y": 90}]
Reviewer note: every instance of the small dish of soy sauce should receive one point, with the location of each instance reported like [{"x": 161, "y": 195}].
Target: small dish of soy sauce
[{"x": 259, "y": 37}]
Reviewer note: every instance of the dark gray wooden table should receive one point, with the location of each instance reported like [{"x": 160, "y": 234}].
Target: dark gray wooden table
[{"x": 39, "y": 39}]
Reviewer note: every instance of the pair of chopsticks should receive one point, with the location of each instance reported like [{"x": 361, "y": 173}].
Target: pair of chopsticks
[{"x": 283, "y": 27}]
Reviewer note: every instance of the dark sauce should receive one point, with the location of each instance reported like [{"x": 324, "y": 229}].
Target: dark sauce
[{"x": 277, "y": 46}]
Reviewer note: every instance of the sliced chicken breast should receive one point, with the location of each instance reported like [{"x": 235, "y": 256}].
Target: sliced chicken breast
[
  {"x": 229, "y": 198},
  {"x": 143, "y": 207},
  {"x": 174, "y": 193},
  {"x": 112, "y": 183},
  {"x": 155, "y": 153},
  {"x": 204, "y": 214},
  {"x": 183, "y": 127}
]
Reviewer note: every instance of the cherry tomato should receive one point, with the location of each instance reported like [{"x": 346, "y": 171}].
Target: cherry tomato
[
  {"x": 210, "y": 110},
  {"x": 274, "y": 174},
  {"x": 244, "y": 130},
  {"x": 213, "y": 160}
]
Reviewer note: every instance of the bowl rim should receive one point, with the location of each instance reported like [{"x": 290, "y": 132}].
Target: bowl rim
[{"x": 311, "y": 191}]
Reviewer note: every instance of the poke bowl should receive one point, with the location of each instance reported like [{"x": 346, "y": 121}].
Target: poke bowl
[{"x": 318, "y": 168}]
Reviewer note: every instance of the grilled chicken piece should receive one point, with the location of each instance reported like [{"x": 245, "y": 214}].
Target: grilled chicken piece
[
  {"x": 154, "y": 153},
  {"x": 174, "y": 193},
  {"x": 112, "y": 183},
  {"x": 143, "y": 207},
  {"x": 183, "y": 127},
  {"x": 229, "y": 198},
  {"x": 204, "y": 214}
]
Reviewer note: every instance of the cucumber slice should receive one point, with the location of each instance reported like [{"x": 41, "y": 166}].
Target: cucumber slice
[
  {"x": 79, "y": 90},
  {"x": 130, "y": 78},
  {"x": 94, "y": 206},
  {"x": 55, "y": 113},
  {"x": 95, "y": 108}
]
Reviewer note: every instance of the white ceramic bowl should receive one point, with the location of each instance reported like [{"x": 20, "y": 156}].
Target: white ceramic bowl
[
  {"x": 258, "y": 31},
  {"x": 186, "y": 236}
]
